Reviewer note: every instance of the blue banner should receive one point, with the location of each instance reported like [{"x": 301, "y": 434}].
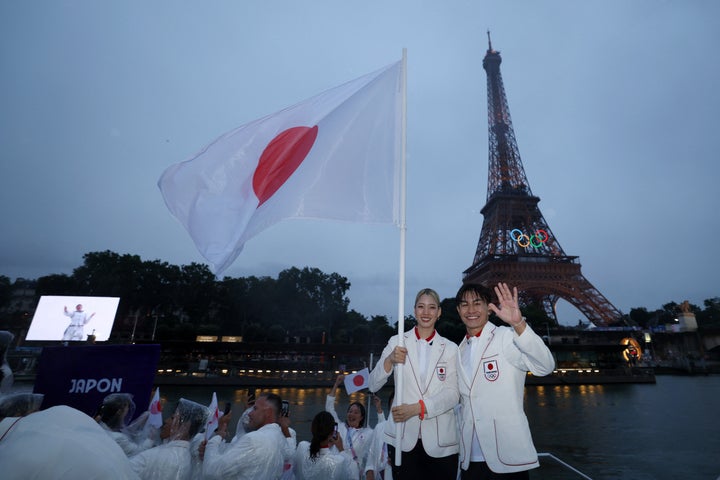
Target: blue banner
[{"x": 82, "y": 376}]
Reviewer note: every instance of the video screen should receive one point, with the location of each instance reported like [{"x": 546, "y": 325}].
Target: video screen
[{"x": 73, "y": 319}]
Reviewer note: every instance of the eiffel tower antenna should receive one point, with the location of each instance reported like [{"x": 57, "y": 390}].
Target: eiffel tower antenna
[{"x": 516, "y": 244}]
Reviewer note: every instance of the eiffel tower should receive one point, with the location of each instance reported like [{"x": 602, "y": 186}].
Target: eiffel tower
[{"x": 516, "y": 244}]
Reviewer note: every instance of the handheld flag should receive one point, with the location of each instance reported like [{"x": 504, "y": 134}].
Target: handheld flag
[
  {"x": 334, "y": 156},
  {"x": 212, "y": 421},
  {"x": 155, "y": 418},
  {"x": 357, "y": 381}
]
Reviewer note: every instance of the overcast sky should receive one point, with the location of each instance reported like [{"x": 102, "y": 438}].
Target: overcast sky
[{"x": 615, "y": 106}]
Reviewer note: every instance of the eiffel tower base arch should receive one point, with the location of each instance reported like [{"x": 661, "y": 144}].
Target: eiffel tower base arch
[{"x": 542, "y": 282}]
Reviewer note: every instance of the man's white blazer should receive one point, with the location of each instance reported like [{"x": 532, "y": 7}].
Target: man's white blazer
[{"x": 491, "y": 396}]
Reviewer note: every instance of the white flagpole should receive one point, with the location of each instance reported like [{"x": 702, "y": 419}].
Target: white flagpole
[{"x": 401, "y": 276}]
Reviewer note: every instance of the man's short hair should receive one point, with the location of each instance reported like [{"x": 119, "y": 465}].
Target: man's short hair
[
  {"x": 476, "y": 289},
  {"x": 274, "y": 401}
]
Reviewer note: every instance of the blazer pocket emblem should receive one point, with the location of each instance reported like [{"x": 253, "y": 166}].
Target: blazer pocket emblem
[
  {"x": 490, "y": 368},
  {"x": 441, "y": 373}
]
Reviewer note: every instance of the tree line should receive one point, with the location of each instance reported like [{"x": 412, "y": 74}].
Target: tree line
[{"x": 169, "y": 303}]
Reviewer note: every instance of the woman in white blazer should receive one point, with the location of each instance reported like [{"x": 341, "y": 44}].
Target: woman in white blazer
[
  {"x": 429, "y": 438},
  {"x": 492, "y": 364}
]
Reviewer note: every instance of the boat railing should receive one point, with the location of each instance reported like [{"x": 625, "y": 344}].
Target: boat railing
[{"x": 549, "y": 462}]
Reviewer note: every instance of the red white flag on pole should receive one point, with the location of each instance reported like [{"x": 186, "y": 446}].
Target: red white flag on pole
[
  {"x": 334, "y": 156},
  {"x": 155, "y": 411},
  {"x": 357, "y": 381},
  {"x": 212, "y": 422}
]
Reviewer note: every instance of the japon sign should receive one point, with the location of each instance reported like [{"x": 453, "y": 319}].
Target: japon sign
[{"x": 82, "y": 376}]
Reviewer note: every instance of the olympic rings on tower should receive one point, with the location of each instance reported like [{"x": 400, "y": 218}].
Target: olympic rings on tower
[{"x": 524, "y": 240}]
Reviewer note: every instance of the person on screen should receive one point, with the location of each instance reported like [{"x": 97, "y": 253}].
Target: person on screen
[
  {"x": 78, "y": 320},
  {"x": 493, "y": 362}
]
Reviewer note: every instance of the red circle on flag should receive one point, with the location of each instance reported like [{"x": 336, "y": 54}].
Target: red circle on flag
[
  {"x": 358, "y": 380},
  {"x": 282, "y": 156},
  {"x": 155, "y": 408}
]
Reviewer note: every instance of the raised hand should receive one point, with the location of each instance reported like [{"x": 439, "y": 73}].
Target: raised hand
[{"x": 508, "y": 308}]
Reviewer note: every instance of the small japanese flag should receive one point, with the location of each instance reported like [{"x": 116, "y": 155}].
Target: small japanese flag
[
  {"x": 155, "y": 411},
  {"x": 357, "y": 381},
  {"x": 212, "y": 422}
]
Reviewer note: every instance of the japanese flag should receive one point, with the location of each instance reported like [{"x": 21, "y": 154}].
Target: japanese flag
[
  {"x": 155, "y": 411},
  {"x": 212, "y": 422},
  {"x": 356, "y": 381},
  {"x": 334, "y": 156}
]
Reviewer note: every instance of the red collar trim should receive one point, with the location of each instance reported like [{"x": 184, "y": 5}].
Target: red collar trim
[
  {"x": 428, "y": 339},
  {"x": 468, "y": 337}
]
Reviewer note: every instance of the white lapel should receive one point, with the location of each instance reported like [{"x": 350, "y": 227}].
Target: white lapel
[
  {"x": 486, "y": 337},
  {"x": 412, "y": 356},
  {"x": 436, "y": 353},
  {"x": 461, "y": 368}
]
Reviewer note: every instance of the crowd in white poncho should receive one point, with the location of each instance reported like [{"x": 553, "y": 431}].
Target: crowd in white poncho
[{"x": 64, "y": 443}]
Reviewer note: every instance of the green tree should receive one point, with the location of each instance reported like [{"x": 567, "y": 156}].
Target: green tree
[
  {"x": 642, "y": 317},
  {"x": 668, "y": 313},
  {"x": 536, "y": 316},
  {"x": 449, "y": 324},
  {"x": 197, "y": 287},
  {"x": 710, "y": 316},
  {"x": 380, "y": 330},
  {"x": 56, "y": 284},
  {"x": 309, "y": 298}
]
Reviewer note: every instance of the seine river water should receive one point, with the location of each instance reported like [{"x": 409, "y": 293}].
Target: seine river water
[{"x": 668, "y": 430}]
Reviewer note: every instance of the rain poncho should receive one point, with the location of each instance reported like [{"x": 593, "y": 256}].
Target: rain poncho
[
  {"x": 115, "y": 413},
  {"x": 328, "y": 465},
  {"x": 172, "y": 460},
  {"x": 242, "y": 424},
  {"x": 289, "y": 449},
  {"x": 377, "y": 459},
  {"x": 20, "y": 404},
  {"x": 60, "y": 443},
  {"x": 257, "y": 455},
  {"x": 169, "y": 461},
  {"x": 289, "y": 455}
]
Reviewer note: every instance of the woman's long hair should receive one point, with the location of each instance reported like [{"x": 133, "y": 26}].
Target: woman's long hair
[{"x": 322, "y": 427}]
